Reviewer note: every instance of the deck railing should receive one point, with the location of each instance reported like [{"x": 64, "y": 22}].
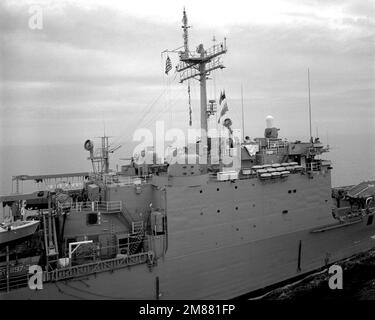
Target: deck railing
[
  {"x": 10, "y": 281},
  {"x": 119, "y": 179},
  {"x": 94, "y": 206},
  {"x": 99, "y": 266},
  {"x": 14, "y": 282}
]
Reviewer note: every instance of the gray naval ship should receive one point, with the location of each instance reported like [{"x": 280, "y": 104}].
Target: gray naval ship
[{"x": 183, "y": 231}]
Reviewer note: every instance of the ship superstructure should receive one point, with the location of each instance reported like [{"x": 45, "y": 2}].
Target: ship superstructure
[{"x": 187, "y": 230}]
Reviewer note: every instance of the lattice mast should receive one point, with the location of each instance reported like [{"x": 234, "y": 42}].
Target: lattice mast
[
  {"x": 199, "y": 66},
  {"x": 100, "y": 158}
]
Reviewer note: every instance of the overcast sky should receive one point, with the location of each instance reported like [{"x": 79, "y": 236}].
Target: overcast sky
[{"x": 99, "y": 63}]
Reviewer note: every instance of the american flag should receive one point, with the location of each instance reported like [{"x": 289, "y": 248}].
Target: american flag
[
  {"x": 224, "y": 109},
  {"x": 222, "y": 97},
  {"x": 168, "y": 65}
]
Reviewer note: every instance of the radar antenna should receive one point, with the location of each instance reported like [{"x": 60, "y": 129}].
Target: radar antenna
[{"x": 102, "y": 158}]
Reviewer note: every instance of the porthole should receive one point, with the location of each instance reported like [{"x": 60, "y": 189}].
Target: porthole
[
  {"x": 200, "y": 191},
  {"x": 289, "y": 191},
  {"x": 285, "y": 211},
  {"x": 235, "y": 187},
  {"x": 236, "y": 208},
  {"x": 218, "y": 211},
  {"x": 294, "y": 191},
  {"x": 217, "y": 189}
]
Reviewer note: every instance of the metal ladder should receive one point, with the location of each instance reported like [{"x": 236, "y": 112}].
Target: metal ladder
[
  {"x": 137, "y": 236},
  {"x": 50, "y": 236}
]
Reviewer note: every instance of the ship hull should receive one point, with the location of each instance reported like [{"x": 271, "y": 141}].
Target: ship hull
[{"x": 224, "y": 273}]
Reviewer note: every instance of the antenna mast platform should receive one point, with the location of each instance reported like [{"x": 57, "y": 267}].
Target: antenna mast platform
[{"x": 199, "y": 66}]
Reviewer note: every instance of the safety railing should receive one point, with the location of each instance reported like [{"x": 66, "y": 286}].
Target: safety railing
[
  {"x": 93, "y": 206},
  {"x": 66, "y": 186},
  {"x": 11, "y": 278},
  {"x": 119, "y": 179},
  {"x": 99, "y": 266},
  {"x": 11, "y": 282},
  {"x": 14, "y": 282}
]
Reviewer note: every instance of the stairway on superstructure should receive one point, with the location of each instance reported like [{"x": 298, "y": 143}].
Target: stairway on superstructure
[
  {"x": 50, "y": 237},
  {"x": 136, "y": 236}
]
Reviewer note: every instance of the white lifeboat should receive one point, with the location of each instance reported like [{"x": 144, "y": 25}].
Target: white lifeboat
[
  {"x": 265, "y": 176},
  {"x": 298, "y": 168},
  {"x": 275, "y": 175},
  {"x": 284, "y": 173}
]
